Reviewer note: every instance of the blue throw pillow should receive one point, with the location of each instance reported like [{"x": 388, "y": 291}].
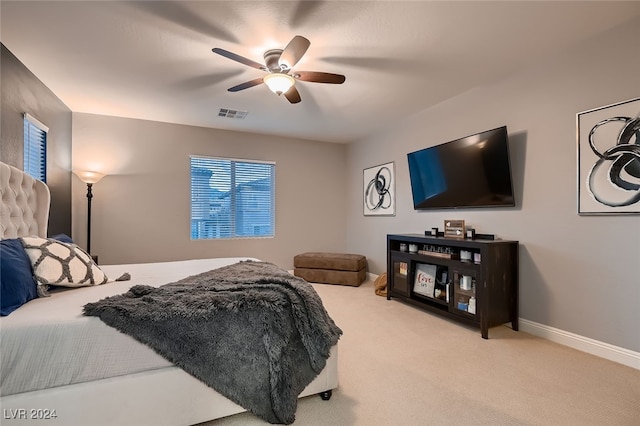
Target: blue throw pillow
[
  {"x": 63, "y": 238},
  {"x": 17, "y": 285}
]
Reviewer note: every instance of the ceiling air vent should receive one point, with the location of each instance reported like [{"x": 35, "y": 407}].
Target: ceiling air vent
[{"x": 232, "y": 113}]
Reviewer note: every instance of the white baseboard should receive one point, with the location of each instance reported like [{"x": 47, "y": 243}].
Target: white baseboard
[{"x": 594, "y": 347}]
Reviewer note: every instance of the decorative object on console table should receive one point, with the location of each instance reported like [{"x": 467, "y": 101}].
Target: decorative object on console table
[
  {"x": 439, "y": 251},
  {"x": 89, "y": 178},
  {"x": 608, "y": 161},
  {"x": 465, "y": 256},
  {"x": 403, "y": 269},
  {"x": 479, "y": 236},
  {"x": 425, "y": 279},
  {"x": 471, "y": 233},
  {"x": 454, "y": 229},
  {"x": 379, "y": 198}
]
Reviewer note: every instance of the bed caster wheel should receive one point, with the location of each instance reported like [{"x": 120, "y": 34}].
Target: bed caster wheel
[{"x": 326, "y": 395}]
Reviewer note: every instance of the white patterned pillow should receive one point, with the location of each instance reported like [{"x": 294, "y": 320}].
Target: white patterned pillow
[{"x": 61, "y": 264}]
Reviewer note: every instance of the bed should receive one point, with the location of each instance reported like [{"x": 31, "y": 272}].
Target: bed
[{"x": 66, "y": 368}]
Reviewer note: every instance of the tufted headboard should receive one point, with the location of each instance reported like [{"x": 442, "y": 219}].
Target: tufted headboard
[{"x": 24, "y": 210}]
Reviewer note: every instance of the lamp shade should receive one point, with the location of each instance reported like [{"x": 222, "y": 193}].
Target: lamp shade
[
  {"x": 278, "y": 83},
  {"x": 88, "y": 176}
]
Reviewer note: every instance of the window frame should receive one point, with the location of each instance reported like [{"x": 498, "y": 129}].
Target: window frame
[
  {"x": 234, "y": 220},
  {"x": 37, "y": 143}
]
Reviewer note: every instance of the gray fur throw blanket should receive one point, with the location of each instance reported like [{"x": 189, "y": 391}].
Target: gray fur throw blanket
[{"x": 253, "y": 332}]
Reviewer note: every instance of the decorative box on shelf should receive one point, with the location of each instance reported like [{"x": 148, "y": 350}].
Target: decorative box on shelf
[
  {"x": 454, "y": 229},
  {"x": 452, "y": 256}
]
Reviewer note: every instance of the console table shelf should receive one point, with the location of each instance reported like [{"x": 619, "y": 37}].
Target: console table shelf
[{"x": 471, "y": 281}]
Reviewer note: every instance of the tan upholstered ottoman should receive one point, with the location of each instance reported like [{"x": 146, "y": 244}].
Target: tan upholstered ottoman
[{"x": 331, "y": 268}]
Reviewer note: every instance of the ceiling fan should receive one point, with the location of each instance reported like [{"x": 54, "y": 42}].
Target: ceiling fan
[{"x": 278, "y": 64}]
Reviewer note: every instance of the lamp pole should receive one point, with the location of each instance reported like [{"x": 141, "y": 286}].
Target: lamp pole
[
  {"x": 89, "y": 178},
  {"x": 89, "y": 197}
]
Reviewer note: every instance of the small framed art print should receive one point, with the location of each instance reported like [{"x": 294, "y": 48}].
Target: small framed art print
[{"x": 378, "y": 186}]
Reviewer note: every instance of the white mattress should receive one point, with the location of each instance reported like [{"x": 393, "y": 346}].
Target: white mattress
[{"x": 48, "y": 342}]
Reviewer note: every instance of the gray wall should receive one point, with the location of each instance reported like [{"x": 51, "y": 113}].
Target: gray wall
[
  {"x": 141, "y": 211},
  {"x": 23, "y": 92},
  {"x": 579, "y": 274}
]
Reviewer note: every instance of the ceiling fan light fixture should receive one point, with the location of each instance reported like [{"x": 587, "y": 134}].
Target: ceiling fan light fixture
[{"x": 278, "y": 83}]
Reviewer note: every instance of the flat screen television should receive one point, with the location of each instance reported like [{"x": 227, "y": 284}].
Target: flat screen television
[{"x": 473, "y": 171}]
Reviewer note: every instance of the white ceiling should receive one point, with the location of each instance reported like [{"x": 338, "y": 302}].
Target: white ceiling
[{"x": 153, "y": 60}]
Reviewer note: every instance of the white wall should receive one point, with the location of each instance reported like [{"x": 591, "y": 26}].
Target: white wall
[
  {"x": 577, "y": 273},
  {"x": 141, "y": 209}
]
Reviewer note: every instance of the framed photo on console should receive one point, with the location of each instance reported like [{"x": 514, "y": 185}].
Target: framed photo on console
[{"x": 424, "y": 282}]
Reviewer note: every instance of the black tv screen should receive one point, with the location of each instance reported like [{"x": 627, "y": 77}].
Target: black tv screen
[{"x": 473, "y": 171}]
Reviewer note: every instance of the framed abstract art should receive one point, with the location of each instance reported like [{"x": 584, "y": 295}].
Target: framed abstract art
[
  {"x": 609, "y": 159},
  {"x": 378, "y": 186}
]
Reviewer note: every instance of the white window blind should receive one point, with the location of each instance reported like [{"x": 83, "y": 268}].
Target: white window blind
[
  {"x": 231, "y": 198},
  {"x": 35, "y": 148}
]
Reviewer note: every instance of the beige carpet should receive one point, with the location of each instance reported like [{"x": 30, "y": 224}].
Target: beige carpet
[{"x": 399, "y": 365}]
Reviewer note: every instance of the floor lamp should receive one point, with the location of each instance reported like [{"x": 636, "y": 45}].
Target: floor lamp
[{"x": 89, "y": 178}]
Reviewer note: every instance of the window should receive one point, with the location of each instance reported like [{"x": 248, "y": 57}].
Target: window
[
  {"x": 231, "y": 198},
  {"x": 35, "y": 148}
]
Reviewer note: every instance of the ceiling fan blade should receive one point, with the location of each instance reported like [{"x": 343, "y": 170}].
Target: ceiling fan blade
[
  {"x": 238, "y": 58},
  {"x": 246, "y": 85},
  {"x": 294, "y": 51},
  {"x": 319, "y": 77},
  {"x": 293, "y": 95}
]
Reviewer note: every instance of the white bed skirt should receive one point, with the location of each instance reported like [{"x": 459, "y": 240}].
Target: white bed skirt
[{"x": 167, "y": 396}]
